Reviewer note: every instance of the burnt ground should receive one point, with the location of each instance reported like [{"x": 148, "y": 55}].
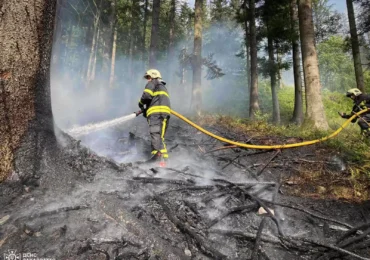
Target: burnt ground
[{"x": 207, "y": 203}]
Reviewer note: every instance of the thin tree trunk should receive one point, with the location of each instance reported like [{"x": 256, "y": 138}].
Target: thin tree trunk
[
  {"x": 298, "y": 102},
  {"x": 113, "y": 61},
  {"x": 182, "y": 78},
  {"x": 273, "y": 69},
  {"x": 279, "y": 71},
  {"x": 93, "y": 70},
  {"x": 88, "y": 43},
  {"x": 197, "y": 58},
  {"x": 315, "y": 107},
  {"x": 111, "y": 34},
  {"x": 253, "y": 106},
  {"x": 355, "y": 46},
  {"x": 247, "y": 47},
  {"x": 93, "y": 47},
  {"x": 171, "y": 50},
  {"x": 143, "y": 48},
  {"x": 26, "y": 38},
  {"x": 66, "y": 44},
  {"x": 131, "y": 44},
  {"x": 154, "y": 34}
]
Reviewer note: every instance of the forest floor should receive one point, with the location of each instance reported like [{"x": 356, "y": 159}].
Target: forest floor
[{"x": 211, "y": 202}]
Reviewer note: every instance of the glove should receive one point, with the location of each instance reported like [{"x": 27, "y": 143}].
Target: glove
[
  {"x": 144, "y": 113},
  {"x": 141, "y": 106}
]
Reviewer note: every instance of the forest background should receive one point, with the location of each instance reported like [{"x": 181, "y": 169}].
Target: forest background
[{"x": 102, "y": 49}]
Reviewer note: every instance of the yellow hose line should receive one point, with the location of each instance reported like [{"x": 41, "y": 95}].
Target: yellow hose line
[{"x": 269, "y": 147}]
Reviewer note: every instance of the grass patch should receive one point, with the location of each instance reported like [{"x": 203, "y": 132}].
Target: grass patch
[{"x": 352, "y": 184}]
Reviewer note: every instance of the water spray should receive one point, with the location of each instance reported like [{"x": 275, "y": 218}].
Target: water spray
[{"x": 86, "y": 129}]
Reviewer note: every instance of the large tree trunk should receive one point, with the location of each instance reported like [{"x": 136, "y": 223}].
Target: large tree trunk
[
  {"x": 26, "y": 37},
  {"x": 315, "y": 107},
  {"x": 197, "y": 59},
  {"x": 273, "y": 70},
  {"x": 154, "y": 37},
  {"x": 253, "y": 105},
  {"x": 298, "y": 103},
  {"x": 355, "y": 46}
]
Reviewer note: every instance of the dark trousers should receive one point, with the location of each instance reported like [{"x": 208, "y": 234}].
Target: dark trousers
[
  {"x": 363, "y": 122},
  {"x": 158, "y": 125}
]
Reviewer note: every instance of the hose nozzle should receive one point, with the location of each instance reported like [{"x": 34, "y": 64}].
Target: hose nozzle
[{"x": 138, "y": 113}]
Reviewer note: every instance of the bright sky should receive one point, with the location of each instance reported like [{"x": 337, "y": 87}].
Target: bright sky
[{"x": 340, "y": 5}]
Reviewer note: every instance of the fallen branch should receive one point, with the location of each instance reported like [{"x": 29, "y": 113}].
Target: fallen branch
[
  {"x": 307, "y": 212},
  {"x": 232, "y": 211},
  {"x": 272, "y": 158},
  {"x": 161, "y": 181},
  {"x": 194, "y": 188},
  {"x": 353, "y": 231},
  {"x": 221, "y": 148},
  {"x": 201, "y": 243},
  {"x": 60, "y": 210}
]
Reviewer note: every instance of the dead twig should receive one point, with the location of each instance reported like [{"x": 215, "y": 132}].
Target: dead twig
[
  {"x": 57, "y": 211},
  {"x": 161, "y": 180},
  {"x": 221, "y": 148},
  {"x": 272, "y": 158},
  {"x": 307, "y": 212}
]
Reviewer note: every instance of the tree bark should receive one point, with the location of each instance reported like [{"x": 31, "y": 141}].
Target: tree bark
[
  {"x": 26, "y": 37},
  {"x": 315, "y": 107},
  {"x": 298, "y": 103},
  {"x": 197, "y": 58},
  {"x": 253, "y": 103},
  {"x": 154, "y": 34},
  {"x": 273, "y": 70},
  {"x": 355, "y": 46}
]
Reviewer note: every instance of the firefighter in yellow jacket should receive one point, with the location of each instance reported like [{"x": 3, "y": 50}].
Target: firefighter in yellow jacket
[{"x": 156, "y": 107}]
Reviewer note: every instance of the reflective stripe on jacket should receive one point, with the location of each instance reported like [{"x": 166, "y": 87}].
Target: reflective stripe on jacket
[
  {"x": 359, "y": 103},
  {"x": 156, "y": 98}
]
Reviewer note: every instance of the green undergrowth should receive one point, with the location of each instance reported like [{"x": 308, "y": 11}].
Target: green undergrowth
[{"x": 349, "y": 142}]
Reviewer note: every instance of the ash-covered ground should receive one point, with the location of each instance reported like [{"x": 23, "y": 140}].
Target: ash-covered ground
[{"x": 209, "y": 203}]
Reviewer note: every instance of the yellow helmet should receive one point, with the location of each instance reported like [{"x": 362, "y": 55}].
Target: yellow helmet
[
  {"x": 353, "y": 91},
  {"x": 154, "y": 74}
]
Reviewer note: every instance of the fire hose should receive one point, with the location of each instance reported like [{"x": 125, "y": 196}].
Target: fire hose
[{"x": 267, "y": 147}]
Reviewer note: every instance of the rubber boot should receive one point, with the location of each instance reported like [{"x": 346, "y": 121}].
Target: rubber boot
[{"x": 155, "y": 157}]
